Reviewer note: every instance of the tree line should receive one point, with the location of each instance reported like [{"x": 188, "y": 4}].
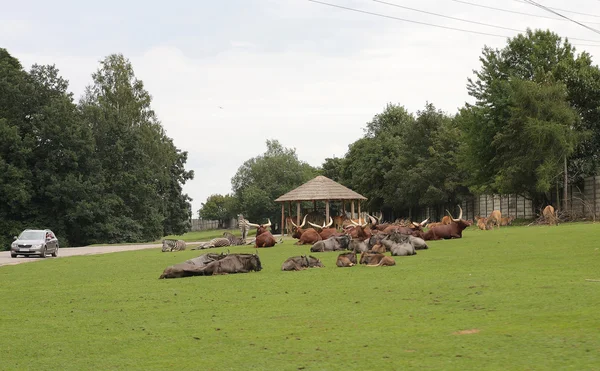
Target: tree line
[
  {"x": 100, "y": 170},
  {"x": 534, "y": 127}
]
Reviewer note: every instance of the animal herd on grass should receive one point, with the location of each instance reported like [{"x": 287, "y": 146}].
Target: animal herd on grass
[{"x": 370, "y": 239}]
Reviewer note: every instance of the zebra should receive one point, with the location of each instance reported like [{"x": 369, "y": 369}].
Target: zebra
[
  {"x": 173, "y": 245},
  {"x": 215, "y": 242},
  {"x": 244, "y": 227},
  {"x": 233, "y": 240}
]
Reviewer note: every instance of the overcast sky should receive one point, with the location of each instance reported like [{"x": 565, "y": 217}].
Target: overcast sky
[{"x": 225, "y": 75}]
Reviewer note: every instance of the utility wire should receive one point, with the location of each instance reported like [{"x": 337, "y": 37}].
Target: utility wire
[
  {"x": 531, "y": 2},
  {"x": 421, "y": 23},
  {"x": 406, "y": 20},
  {"x": 563, "y": 10},
  {"x": 515, "y": 12},
  {"x": 467, "y": 20}
]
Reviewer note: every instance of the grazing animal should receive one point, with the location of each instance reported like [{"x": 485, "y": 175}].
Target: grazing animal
[
  {"x": 338, "y": 222},
  {"x": 173, "y": 245},
  {"x": 264, "y": 238},
  {"x": 404, "y": 248},
  {"x": 233, "y": 240},
  {"x": 215, "y": 242},
  {"x": 232, "y": 263},
  {"x": 494, "y": 219},
  {"x": 358, "y": 231},
  {"x": 504, "y": 221},
  {"x": 204, "y": 259},
  {"x": 378, "y": 248},
  {"x": 550, "y": 215},
  {"x": 452, "y": 230},
  {"x": 296, "y": 263},
  {"x": 358, "y": 245},
  {"x": 331, "y": 244},
  {"x": 325, "y": 231},
  {"x": 305, "y": 236},
  {"x": 347, "y": 259},
  {"x": 417, "y": 242},
  {"x": 482, "y": 223},
  {"x": 375, "y": 260}
]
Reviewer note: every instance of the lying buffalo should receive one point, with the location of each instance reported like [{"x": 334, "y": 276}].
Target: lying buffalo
[
  {"x": 376, "y": 260},
  {"x": 232, "y": 263},
  {"x": 331, "y": 244},
  {"x": 359, "y": 246},
  {"x": 204, "y": 259},
  {"x": 417, "y": 242},
  {"x": 347, "y": 259},
  {"x": 296, "y": 263},
  {"x": 399, "y": 248}
]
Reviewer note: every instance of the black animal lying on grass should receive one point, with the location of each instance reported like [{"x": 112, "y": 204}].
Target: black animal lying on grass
[
  {"x": 230, "y": 263},
  {"x": 296, "y": 263}
]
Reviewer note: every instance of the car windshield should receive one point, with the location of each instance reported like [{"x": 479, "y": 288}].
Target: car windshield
[{"x": 32, "y": 235}]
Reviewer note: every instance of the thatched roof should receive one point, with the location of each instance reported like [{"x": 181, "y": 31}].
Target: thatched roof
[{"x": 320, "y": 188}]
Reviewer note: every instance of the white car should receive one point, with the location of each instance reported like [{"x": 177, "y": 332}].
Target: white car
[{"x": 35, "y": 242}]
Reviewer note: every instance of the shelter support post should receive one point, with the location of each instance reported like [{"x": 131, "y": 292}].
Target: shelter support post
[
  {"x": 282, "y": 218},
  {"x": 352, "y": 210},
  {"x": 298, "y": 213},
  {"x": 359, "y": 211},
  {"x": 326, "y": 211}
]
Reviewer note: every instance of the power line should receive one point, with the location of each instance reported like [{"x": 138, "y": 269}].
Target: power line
[
  {"x": 421, "y": 23},
  {"x": 531, "y": 2},
  {"x": 466, "y": 20},
  {"x": 406, "y": 20},
  {"x": 562, "y": 10},
  {"x": 514, "y": 12}
]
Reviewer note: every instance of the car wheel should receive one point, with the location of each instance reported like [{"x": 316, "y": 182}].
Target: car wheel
[
  {"x": 43, "y": 254},
  {"x": 55, "y": 253},
  {"x": 13, "y": 255}
]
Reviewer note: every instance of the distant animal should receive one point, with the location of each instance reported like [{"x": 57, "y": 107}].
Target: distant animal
[
  {"x": 504, "y": 221},
  {"x": 347, "y": 259},
  {"x": 494, "y": 219},
  {"x": 331, "y": 244},
  {"x": 234, "y": 240},
  {"x": 446, "y": 220},
  {"x": 550, "y": 215},
  {"x": 378, "y": 248},
  {"x": 358, "y": 245},
  {"x": 232, "y": 263},
  {"x": 404, "y": 248},
  {"x": 338, "y": 222},
  {"x": 374, "y": 260},
  {"x": 306, "y": 236},
  {"x": 296, "y": 263},
  {"x": 481, "y": 223},
  {"x": 264, "y": 238},
  {"x": 204, "y": 259},
  {"x": 173, "y": 245},
  {"x": 244, "y": 227},
  {"x": 324, "y": 230},
  {"x": 452, "y": 230},
  {"x": 215, "y": 242}
]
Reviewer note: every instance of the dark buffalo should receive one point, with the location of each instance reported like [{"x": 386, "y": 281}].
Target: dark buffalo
[
  {"x": 359, "y": 245},
  {"x": 204, "y": 259},
  {"x": 452, "y": 230},
  {"x": 296, "y": 263},
  {"x": 232, "y": 263},
  {"x": 331, "y": 244},
  {"x": 399, "y": 248},
  {"x": 264, "y": 238},
  {"x": 347, "y": 259},
  {"x": 417, "y": 242}
]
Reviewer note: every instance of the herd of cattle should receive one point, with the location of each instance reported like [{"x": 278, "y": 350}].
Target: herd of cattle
[{"x": 370, "y": 238}]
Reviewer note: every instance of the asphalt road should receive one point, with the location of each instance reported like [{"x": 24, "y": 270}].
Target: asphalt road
[{"x": 5, "y": 258}]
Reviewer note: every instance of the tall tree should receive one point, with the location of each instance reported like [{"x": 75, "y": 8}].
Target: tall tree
[
  {"x": 219, "y": 207},
  {"x": 262, "y": 179}
]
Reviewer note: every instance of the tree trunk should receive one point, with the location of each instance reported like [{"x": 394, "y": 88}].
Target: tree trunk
[{"x": 566, "y": 184}]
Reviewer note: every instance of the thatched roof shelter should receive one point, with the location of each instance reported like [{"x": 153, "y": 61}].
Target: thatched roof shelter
[{"x": 319, "y": 188}]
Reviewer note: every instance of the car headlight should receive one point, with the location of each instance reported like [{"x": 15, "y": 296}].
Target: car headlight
[
  {"x": 13, "y": 245},
  {"x": 37, "y": 246}
]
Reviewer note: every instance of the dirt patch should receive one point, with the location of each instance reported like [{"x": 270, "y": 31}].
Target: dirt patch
[{"x": 466, "y": 332}]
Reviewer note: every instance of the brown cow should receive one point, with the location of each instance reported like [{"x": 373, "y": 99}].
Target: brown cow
[
  {"x": 325, "y": 231},
  {"x": 264, "y": 238},
  {"x": 494, "y": 219},
  {"x": 452, "y": 230},
  {"x": 305, "y": 236},
  {"x": 376, "y": 260},
  {"x": 358, "y": 231},
  {"x": 549, "y": 215},
  {"x": 346, "y": 259}
]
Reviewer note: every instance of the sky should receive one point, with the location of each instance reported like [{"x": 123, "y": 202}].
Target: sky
[{"x": 227, "y": 75}]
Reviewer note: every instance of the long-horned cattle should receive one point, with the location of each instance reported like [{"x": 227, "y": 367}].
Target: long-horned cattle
[
  {"x": 550, "y": 215},
  {"x": 325, "y": 231},
  {"x": 306, "y": 236},
  {"x": 452, "y": 230},
  {"x": 264, "y": 238}
]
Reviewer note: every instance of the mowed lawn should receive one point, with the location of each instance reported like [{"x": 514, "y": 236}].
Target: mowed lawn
[{"x": 513, "y": 299}]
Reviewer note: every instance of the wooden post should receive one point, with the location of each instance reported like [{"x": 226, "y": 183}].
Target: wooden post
[
  {"x": 326, "y": 211},
  {"x": 282, "y": 218},
  {"x": 344, "y": 206},
  {"x": 314, "y": 205},
  {"x": 359, "y": 211},
  {"x": 352, "y": 210},
  {"x": 297, "y": 212}
]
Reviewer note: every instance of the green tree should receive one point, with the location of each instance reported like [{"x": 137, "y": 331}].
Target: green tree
[
  {"x": 219, "y": 207},
  {"x": 262, "y": 179}
]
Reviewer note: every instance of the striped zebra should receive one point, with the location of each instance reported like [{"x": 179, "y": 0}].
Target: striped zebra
[
  {"x": 244, "y": 227},
  {"x": 233, "y": 240},
  {"x": 215, "y": 242},
  {"x": 173, "y": 245}
]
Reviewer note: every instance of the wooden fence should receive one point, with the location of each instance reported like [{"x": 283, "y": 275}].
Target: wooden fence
[{"x": 203, "y": 225}]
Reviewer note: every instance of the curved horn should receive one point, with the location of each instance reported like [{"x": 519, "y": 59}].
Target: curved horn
[
  {"x": 423, "y": 222},
  {"x": 416, "y": 224},
  {"x": 373, "y": 220},
  {"x": 314, "y": 225},
  {"x": 292, "y": 221},
  {"x": 252, "y": 224},
  {"x": 365, "y": 224},
  {"x": 268, "y": 223},
  {"x": 330, "y": 223},
  {"x": 303, "y": 221},
  {"x": 353, "y": 222},
  {"x": 460, "y": 216}
]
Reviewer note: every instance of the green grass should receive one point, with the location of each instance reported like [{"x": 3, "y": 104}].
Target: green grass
[
  {"x": 523, "y": 288},
  {"x": 192, "y": 236}
]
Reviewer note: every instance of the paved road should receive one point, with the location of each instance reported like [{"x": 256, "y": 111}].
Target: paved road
[{"x": 5, "y": 258}]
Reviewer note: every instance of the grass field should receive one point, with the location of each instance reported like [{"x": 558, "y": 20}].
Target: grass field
[{"x": 513, "y": 299}]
